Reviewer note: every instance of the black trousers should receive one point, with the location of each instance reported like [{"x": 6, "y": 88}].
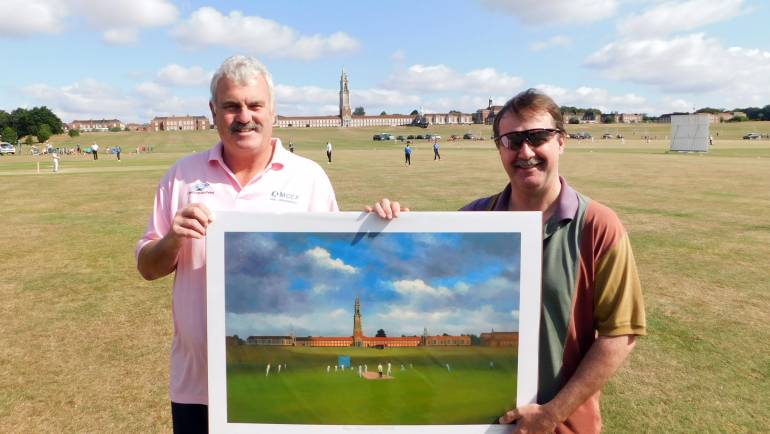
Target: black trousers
[
  {"x": 408, "y": 159},
  {"x": 190, "y": 418}
]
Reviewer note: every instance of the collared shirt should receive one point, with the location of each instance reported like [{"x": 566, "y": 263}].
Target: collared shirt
[
  {"x": 590, "y": 287},
  {"x": 289, "y": 183}
]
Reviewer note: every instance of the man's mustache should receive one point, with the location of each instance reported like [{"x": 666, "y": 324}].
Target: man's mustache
[{"x": 238, "y": 127}]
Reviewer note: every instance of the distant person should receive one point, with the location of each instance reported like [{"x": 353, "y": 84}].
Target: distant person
[
  {"x": 379, "y": 370},
  {"x": 711, "y": 140},
  {"x": 389, "y": 371},
  {"x": 117, "y": 152},
  {"x": 448, "y": 368},
  {"x": 78, "y": 150},
  {"x": 436, "y": 155},
  {"x": 267, "y": 370},
  {"x": 329, "y": 152},
  {"x": 55, "y": 157},
  {"x": 328, "y": 368},
  {"x": 408, "y": 154},
  {"x": 291, "y": 147},
  {"x": 95, "y": 151}
]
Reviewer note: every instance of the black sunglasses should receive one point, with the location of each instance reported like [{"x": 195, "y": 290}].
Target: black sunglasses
[{"x": 535, "y": 137}]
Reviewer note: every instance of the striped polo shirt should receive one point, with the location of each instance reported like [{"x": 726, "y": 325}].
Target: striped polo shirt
[{"x": 590, "y": 287}]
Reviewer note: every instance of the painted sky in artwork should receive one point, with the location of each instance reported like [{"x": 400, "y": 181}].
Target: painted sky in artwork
[{"x": 306, "y": 283}]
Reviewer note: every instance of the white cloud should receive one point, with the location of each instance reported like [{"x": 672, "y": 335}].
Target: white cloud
[
  {"x": 538, "y": 12},
  {"x": 119, "y": 20},
  {"x": 92, "y": 99},
  {"x": 555, "y": 41},
  {"x": 441, "y": 78},
  {"x": 120, "y": 36},
  {"x": 177, "y": 75},
  {"x": 26, "y": 17},
  {"x": 691, "y": 63},
  {"x": 207, "y": 26},
  {"x": 322, "y": 258},
  {"x": 676, "y": 16},
  {"x": 418, "y": 288}
]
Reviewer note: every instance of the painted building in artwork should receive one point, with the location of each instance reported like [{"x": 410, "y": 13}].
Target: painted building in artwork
[
  {"x": 500, "y": 339},
  {"x": 359, "y": 339}
]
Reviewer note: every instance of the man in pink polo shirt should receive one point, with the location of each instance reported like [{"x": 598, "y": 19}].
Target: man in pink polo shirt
[{"x": 247, "y": 170}]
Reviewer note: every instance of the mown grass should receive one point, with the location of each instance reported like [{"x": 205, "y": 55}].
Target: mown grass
[{"x": 85, "y": 341}]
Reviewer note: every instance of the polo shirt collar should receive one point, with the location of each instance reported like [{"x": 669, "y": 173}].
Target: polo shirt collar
[
  {"x": 566, "y": 205},
  {"x": 276, "y": 163}
]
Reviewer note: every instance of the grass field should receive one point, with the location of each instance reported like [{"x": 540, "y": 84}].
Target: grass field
[
  {"x": 424, "y": 392},
  {"x": 84, "y": 340}
]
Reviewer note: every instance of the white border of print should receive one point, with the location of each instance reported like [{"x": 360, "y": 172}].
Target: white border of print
[{"x": 529, "y": 224}]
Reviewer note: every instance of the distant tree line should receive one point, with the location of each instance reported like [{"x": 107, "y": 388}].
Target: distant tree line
[{"x": 40, "y": 122}]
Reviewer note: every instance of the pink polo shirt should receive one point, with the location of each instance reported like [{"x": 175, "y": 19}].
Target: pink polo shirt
[{"x": 290, "y": 183}]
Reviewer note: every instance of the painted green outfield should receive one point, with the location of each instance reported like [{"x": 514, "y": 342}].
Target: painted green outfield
[{"x": 425, "y": 392}]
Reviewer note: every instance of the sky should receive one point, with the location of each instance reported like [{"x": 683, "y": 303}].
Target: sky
[
  {"x": 306, "y": 283},
  {"x": 137, "y": 59}
]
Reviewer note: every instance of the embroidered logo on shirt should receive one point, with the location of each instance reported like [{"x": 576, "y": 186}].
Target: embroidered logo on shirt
[
  {"x": 201, "y": 188},
  {"x": 282, "y": 196}
]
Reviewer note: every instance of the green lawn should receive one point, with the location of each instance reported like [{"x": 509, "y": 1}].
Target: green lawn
[{"x": 85, "y": 341}]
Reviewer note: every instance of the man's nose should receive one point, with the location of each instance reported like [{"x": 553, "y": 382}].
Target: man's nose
[
  {"x": 244, "y": 114},
  {"x": 526, "y": 151}
]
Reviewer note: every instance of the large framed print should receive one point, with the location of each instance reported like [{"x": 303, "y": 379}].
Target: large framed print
[{"x": 334, "y": 322}]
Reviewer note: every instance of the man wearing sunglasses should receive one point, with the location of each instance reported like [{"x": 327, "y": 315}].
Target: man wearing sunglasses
[{"x": 592, "y": 307}]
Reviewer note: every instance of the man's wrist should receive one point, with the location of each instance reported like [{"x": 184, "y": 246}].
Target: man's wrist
[{"x": 552, "y": 412}]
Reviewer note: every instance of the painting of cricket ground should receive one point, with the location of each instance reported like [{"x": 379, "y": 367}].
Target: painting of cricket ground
[{"x": 390, "y": 328}]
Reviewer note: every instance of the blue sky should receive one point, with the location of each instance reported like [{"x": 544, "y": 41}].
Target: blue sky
[
  {"x": 452, "y": 283},
  {"x": 136, "y": 59}
]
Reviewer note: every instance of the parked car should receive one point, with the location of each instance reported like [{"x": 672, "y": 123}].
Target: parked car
[
  {"x": 419, "y": 137},
  {"x": 752, "y": 136},
  {"x": 384, "y": 136},
  {"x": 580, "y": 136},
  {"x": 607, "y": 136},
  {"x": 410, "y": 137},
  {"x": 433, "y": 137},
  {"x": 469, "y": 136},
  {"x": 7, "y": 148},
  {"x": 401, "y": 138}
]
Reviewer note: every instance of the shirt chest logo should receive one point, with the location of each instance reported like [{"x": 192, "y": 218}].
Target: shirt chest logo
[
  {"x": 283, "y": 196},
  {"x": 200, "y": 188}
]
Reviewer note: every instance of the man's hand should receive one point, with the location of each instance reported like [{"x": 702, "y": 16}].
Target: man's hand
[
  {"x": 158, "y": 258},
  {"x": 386, "y": 209},
  {"x": 531, "y": 418},
  {"x": 191, "y": 222}
]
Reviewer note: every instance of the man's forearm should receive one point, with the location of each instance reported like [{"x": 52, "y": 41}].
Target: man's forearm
[
  {"x": 158, "y": 258},
  {"x": 604, "y": 358}
]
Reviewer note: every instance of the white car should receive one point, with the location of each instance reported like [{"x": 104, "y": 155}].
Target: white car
[{"x": 7, "y": 148}]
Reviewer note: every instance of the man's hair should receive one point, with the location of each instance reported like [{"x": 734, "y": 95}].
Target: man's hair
[
  {"x": 527, "y": 103},
  {"x": 243, "y": 70}
]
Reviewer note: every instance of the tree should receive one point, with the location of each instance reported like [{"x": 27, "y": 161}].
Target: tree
[
  {"x": 9, "y": 135},
  {"x": 414, "y": 112},
  {"x": 359, "y": 111},
  {"x": 115, "y": 129},
  {"x": 43, "y": 133},
  {"x": 28, "y": 141},
  {"x": 380, "y": 334},
  {"x": 383, "y": 113},
  {"x": 74, "y": 133}
]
